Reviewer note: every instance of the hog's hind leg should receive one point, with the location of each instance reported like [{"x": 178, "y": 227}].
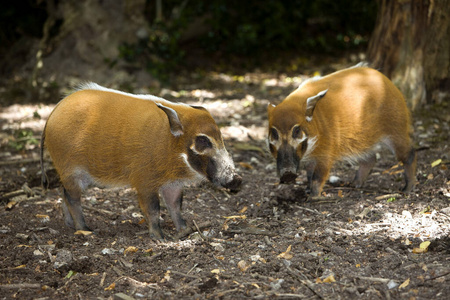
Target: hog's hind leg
[
  {"x": 365, "y": 166},
  {"x": 73, "y": 213}
]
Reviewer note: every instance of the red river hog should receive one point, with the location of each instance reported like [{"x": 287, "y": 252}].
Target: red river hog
[
  {"x": 341, "y": 116},
  {"x": 106, "y": 137}
]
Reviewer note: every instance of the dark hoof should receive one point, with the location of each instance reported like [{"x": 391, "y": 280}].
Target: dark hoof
[{"x": 288, "y": 177}]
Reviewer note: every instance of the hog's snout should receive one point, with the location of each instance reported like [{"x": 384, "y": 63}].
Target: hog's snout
[
  {"x": 234, "y": 184},
  {"x": 288, "y": 177}
]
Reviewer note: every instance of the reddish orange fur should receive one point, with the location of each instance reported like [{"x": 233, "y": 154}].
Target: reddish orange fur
[{"x": 361, "y": 108}]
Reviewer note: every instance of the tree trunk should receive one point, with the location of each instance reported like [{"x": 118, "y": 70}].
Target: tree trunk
[{"x": 410, "y": 45}]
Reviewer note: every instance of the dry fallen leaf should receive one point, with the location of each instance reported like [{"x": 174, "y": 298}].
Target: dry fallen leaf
[
  {"x": 286, "y": 254},
  {"x": 243, "y": 265},
  {"x": 329, "y": 279},
  {"x": 423, "y": 248},
  {"x": 215, "y": 271},
  {"x": 435, "y": 163},
  {"x": 110, "y": 287},
  {"x": 404, "y": 284},
  {"x": 130, "y": 250},
  {"x": 243, "y": 210},
  {"x": 10, "y": 205},
  {"x": 42, "y": 216},
  {"x": 340, "y": 194},
  {"x": 236, "y": 217},
  {"x": 358, "y": 265},
  {"x": 83, "y": 232},
  {"x": 318, "y": 280},
  {"x": 20, "y": 267},
  {"x": 245, "y": 165},
  {"x": 424, "y": 245}
]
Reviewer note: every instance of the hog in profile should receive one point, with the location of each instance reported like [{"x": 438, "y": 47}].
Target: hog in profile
[{"x": 103, "y": 136}]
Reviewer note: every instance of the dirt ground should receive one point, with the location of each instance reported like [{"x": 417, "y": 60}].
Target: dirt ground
[{"x": 266, "y": 241}]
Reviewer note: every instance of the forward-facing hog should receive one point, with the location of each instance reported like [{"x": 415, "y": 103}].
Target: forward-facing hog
[
  {"x": 102, "y": 136},
  {"x": 340, "y": 116}
]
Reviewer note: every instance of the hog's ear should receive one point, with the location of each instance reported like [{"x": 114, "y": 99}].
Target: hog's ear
[
  {"x": 270, "y": 108},
  {"x": 198, "y": 107},
  {"x": 175, "y": 125},
  {"x": 311, "y": 104}
]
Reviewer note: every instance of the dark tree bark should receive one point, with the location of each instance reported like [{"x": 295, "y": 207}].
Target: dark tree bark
[{"x": 411, "y": 45}]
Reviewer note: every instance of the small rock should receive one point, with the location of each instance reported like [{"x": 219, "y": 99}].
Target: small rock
[
  {"x": 406, "y": 214},
  {"x": 4, "y": 229},
  {"x": 446, "y": 210},
  {"x": 276, "y": 285},
  {"x": 122, "y": 296},
  {"x": 392, "y": 284},
  {"x": 108, "y": 251},
  {"x": 63, "y": 257}
]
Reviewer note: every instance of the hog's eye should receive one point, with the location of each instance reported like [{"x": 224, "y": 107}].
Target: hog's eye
[
  {"x": 202, "y": 143},
  {"x": 296, "y": 132},
  {"x": 274, "y": 134}
]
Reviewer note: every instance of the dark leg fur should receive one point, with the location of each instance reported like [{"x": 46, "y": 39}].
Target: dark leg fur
[
  {"x": 150, "y": 207},
  {"x": 410, "y": 164},
  {"x": 73, "y": 213},
  {"x": 173, "y": 196},
  {"x": 365, "y": 166},
  {"x": 321, "y": 172}
]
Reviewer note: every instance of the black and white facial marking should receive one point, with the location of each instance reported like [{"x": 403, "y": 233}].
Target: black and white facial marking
[
  {"x": 296, "y": 136},
  {"x": 209, "y": 160}
]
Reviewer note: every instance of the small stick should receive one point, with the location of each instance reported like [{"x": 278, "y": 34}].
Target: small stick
[
  {"x": 99, "y": 210},
  {"x": 21, "y": 286},
  {"x": 250, "y": 230},
  {"x": 102, "y": 281},
  {"x": 310, "y": 210},
  {"x": 388, "y": 196},
  {"x": 374, "y": 279},
  {"x": 190, "y": 230},
  {"x": 184, "y": 275},
  {"x": 199, "y": 231}
]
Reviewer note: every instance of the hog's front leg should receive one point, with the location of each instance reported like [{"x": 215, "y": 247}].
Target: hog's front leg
[
  {"x": 173, "y": 196},
  {"x": 319, "y": 176},
  {"x": 149, "y": 204}
]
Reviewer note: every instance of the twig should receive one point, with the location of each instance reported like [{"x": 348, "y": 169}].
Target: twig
[
  {"x": 192, "y": 268},
  {"x": 396, "y": 195},
  {"x": 305, "y": 282},
  {"x": 310, "y": 210},
  {"x": 13, "y": 194},
  {"x": 268, "y": 242},
  {"x": 374, "y": 279},
  {"x": 99, "y": 210},
  {"x": 190, "y": 230},
  {"x": 225, "y": 242},
  {"x": 153, "y": 257},
  {"x": 252, "y": 230},
  {"x": 291, "y": 295},
  {"x": 184, "y": 275},
  {"x": 21, "y": 286},
  {"x": 19, "y": 161},
  {"x": 102, "y": 281},
  {"x": 199, "y": 231},
  {"x": 188, "y": 284},
  {"x": 438, "y": 276},
  {"x": 221, "y": 294}
]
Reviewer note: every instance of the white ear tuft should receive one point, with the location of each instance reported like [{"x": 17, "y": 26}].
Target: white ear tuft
[{"x": 311, "y": 104}]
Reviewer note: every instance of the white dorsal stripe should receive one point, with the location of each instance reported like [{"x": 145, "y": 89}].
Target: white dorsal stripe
[{"x": 97, "y": 87}]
